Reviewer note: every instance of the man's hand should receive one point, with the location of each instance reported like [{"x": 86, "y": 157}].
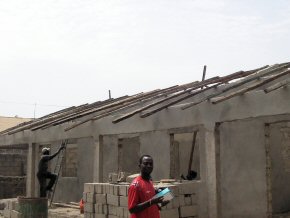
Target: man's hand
[{"x": 157, "y": 200}]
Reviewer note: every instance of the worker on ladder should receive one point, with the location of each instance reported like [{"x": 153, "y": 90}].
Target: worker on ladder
[{"x": 43, "y": 172}]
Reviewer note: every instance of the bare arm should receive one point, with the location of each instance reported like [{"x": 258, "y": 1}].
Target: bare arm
[
  {"x": 56, "y": 153},
  {"x": 142, "y": 206}
]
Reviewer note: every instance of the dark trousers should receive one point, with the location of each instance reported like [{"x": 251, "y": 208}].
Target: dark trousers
[{"x": 42, "y": 182}]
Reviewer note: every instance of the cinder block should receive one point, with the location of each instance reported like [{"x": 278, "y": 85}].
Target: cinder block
[
  {"x": 120, "y": 211},
  {"x": 194, "y": 199},
  {"x": 187, "y": 200},
  {"x": 112, "y": 216},
  {"x": 113, "y": 177},
  {"x": 89, "y": 187},
  {"x": 91, "y": 197},
  {"x": 99, "y": 188},
  {"x": 99, "y": 208},
  {"x": 175, "y": 202},
  {"x": 173, "y": 213},
  {"x": 181, "y": 200},
  {"x": 123, "y": 201},
  {"x": 113, "y": 200},
  {"x": 7, "y": 213},
  {"x": 101, "y": 198},
  {"x": 188, "y": 188},
  {"x": 89, "y": 207},
  {"x": 109, "y": 189},
  {"x": 123, "y": 190},
  {"x": 88, "y": 215},
  {"x": 100, "y": 215},
  {"x": 15, "y": 214},
  {"x": 112, "y": 210},
  {"x": 187, "y": 211},
  {"x": 116, "y": 189}
]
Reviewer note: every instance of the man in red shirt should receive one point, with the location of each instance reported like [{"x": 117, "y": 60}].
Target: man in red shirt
[{"x": 141, "y": 191}]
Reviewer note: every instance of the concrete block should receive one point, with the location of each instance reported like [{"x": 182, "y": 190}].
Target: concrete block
[
  {"x": 88, "y": 215},
  {"x": 175, "y": 202},
  {"x": 99, "y": 188},
  {"x": 194, "y": 199},
  {"x": 99, "y": 208},
  {"x": 15, "y": 214},
  {"x": 7, "y": 213},
  {"x": 89, "y": 207},
  {"x": 187, "y": 211},
  {"x": 113, "y": 177},
  {"x": 120, "y": 211},
  {"x": 173, "y": 213},
  {"x": 181, "y": 200},
  {"x": 91, "y": 197},
  {"x": 116, "y": 189},
  {"x": 127, "y": 213},
  {"x": 112, "y": 216},
  {"x": 123, "y": 190},
  {"x": 101, "y": 198},
  {"x": 112, "y": 210},
  {"x": 89, "y": 187},
  {"x": 123, "y": 201},
  {"x": 187, "y": 200},
  {"x": 109, "y": 189},
  {"x": 100, "y": 215},
  {"x": 106, "y": 209},
  {"x": 113, "y": 200},
  {"x": 188, "y": 188}
]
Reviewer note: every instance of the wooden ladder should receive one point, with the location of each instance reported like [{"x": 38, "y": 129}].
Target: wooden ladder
[{"x": 57, "y": 170}]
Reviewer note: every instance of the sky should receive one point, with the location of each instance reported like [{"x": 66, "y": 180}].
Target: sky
[{"x": 60, "y": 53}]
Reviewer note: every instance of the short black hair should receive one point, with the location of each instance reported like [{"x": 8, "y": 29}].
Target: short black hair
[{"x": 141, "y": 158}]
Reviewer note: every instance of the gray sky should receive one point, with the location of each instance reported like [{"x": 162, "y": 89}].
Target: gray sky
[{"x": 59, "y": 53}]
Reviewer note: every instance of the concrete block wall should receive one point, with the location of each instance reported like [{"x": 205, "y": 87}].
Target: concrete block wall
[
  {"x": 11, "y": 187},
  {"x": 105, "y": 200},
  {"x": 12, "y": 164}
]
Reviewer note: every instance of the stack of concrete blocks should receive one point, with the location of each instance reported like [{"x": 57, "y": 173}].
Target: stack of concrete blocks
[
  {"x": 11, "y": 208},
  {"x": 185, "y": 201},
  {"x": 105, "y": 200}
]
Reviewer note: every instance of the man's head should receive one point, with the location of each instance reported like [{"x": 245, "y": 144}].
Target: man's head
[
  {"x": 45, "y": 151},
  {"x": 146, "y": 165}
]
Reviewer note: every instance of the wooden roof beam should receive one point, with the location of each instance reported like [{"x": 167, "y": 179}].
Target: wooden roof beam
[
  {"x": 277, "y": 86},
  {"x": 251, "y": 87}
]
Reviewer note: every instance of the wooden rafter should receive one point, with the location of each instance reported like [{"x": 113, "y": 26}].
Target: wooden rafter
[
  {"x": 264, "y": 71},
  {"x": 249, "y": 88},
  {"x": 220, "y": 81},
  {"x": 277, "y": 86}
]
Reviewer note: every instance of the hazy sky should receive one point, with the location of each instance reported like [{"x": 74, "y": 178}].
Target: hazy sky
[{"x": 59, "y": 53}]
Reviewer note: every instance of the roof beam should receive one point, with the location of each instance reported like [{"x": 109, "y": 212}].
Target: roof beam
[{"x": 252, "y": 87}]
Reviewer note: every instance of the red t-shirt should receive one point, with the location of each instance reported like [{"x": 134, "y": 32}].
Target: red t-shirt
[{"x": 140, "y": 191}]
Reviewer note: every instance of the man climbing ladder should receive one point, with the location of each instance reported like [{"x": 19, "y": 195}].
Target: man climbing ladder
[{"x": 43, "y": 172}]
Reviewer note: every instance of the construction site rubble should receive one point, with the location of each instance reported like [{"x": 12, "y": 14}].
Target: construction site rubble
[{"x": 110, "y": 200}]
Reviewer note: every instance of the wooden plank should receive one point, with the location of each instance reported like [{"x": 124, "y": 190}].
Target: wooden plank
[
  {"x": 221, "y": 81},
  {"x": 263, "y": 72},
  {"x": 277, "y": 86},
  {"x": 176, "y": 101},
  {"x": 112, "y": 110},
  {"x": 260, "y": 72},
  {"x": 252, "y": 87}
]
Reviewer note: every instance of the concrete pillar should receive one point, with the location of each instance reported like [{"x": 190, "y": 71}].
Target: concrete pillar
[
  {"x": 30, "y": 177},
  {"x": 98, "y": 168},
  {"x": 210, "y": 173}
]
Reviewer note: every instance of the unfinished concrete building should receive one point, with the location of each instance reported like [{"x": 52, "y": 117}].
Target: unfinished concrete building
[
  {"x": 242, "y": 152},
  {"x": 13, "y": 161}
]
